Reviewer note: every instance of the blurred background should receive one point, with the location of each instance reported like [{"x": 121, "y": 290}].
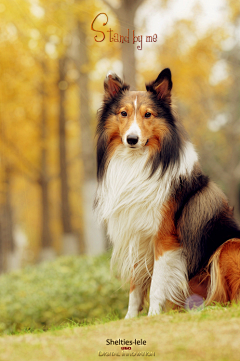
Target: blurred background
[{"x": 52, "y": 70}]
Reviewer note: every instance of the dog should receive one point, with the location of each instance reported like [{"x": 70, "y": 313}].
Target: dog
[{"x": 171, "y": 228}]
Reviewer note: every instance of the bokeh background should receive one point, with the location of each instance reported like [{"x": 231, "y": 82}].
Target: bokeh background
[{"x": 51, "y": 84}]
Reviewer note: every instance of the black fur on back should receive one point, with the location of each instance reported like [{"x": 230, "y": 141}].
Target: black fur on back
[{"x": 204, "y": 220}]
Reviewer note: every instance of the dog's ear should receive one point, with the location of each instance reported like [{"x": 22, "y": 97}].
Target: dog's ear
[
  {"x": 113, "y": 85},
  {"x": 162, "y": 86}
]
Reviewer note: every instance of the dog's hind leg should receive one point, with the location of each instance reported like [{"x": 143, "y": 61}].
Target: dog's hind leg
[
  {"x": 169, "y": 281},
  {"x": 225, "y": 273}
]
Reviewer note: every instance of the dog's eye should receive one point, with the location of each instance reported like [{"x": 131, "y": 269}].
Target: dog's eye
[
  {"x": 124, "y": 114},
  {"x": 148, "y": 115}
]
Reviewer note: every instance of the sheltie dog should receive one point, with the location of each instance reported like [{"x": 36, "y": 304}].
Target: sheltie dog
[{"x": 171, "y": 227}]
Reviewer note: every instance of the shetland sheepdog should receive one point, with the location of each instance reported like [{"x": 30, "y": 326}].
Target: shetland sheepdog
[{"x": 172, "y": 229}]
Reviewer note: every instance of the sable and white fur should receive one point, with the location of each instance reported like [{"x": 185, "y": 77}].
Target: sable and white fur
[
  {"x": 125, "y": 191},
  {"x": 150, "y": 188}
]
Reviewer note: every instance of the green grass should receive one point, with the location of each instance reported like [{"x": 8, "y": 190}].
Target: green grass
[
  {"x": 67, "y": 324},
  {"x": 77, "y": 290},
  {"x": 66, "y": 309},
  {"x": 210, "y": 335}
]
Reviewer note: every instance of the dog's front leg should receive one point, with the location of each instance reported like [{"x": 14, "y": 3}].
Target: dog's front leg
[
  {"x": 158, "y": 287},
  {"x": 135, "y": 300},
  {"x": 169, "y": 280}
]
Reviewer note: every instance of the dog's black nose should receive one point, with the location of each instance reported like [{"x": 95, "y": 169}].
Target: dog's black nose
[{"x": 132, "y": 139}]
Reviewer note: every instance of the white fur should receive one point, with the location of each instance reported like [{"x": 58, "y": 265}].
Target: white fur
[
  {"x": 133, "y": 129},
  {"x": 135, "y": 104},
  {"x": 188, "y": 159},
  {"x": 129, "y": 202},
  {"x": 135, "y": 300},
  {"x": 110, "y": 72},
  {"x": 169, "y": 281}
]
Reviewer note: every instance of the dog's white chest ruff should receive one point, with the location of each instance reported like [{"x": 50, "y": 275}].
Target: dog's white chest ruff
[
  {"x": 129, "y": 202},
  {"x": 127, "y": 199}
]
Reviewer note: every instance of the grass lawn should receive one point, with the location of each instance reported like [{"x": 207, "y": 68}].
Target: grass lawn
[
  {"x": 59, "y": 311},
  {"x": 210, "y": 334}
]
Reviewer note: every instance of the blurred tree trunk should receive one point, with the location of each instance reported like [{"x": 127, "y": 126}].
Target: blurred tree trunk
[
  {"x": 12, "y": 261},
  {"x": 47, "y": 252},
  {"x": 229, "y": 171},
  {"x": 69, "y": 239},
  {"x": 233, "y": 130},
  {"x": 8, "y": 210},
  {"x": 94, "y": 240},
  {"x": 1, "y": 242},
  {"x": 6, "y": 219},
  {"x": 125, "y": 15}
]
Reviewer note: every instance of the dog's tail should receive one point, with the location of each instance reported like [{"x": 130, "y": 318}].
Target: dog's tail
[{"x": 224, "y": 269}]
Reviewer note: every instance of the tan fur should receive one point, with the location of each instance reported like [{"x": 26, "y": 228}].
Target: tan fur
[
  {"x": 152, "y": 130},
  {"x": 166, "y": 239},
  {"x": 112, "y": 131},
  {"x": 132, "y": 285},
  {"x": 199, "y": 284},
  {"x": 224, "y": 268},
  {"x": 164, "y": 91},
  {"x": 159, "y": 131}
]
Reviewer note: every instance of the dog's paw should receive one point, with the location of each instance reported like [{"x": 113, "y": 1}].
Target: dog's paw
[
  {"x": 153, "y": 311},
  {"x": 131, "y": 315}
]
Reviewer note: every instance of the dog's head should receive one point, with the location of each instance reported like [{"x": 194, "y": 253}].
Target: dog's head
[
  {"x": 138, "y": 120},
  {"x": 135, "y": 115}
]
